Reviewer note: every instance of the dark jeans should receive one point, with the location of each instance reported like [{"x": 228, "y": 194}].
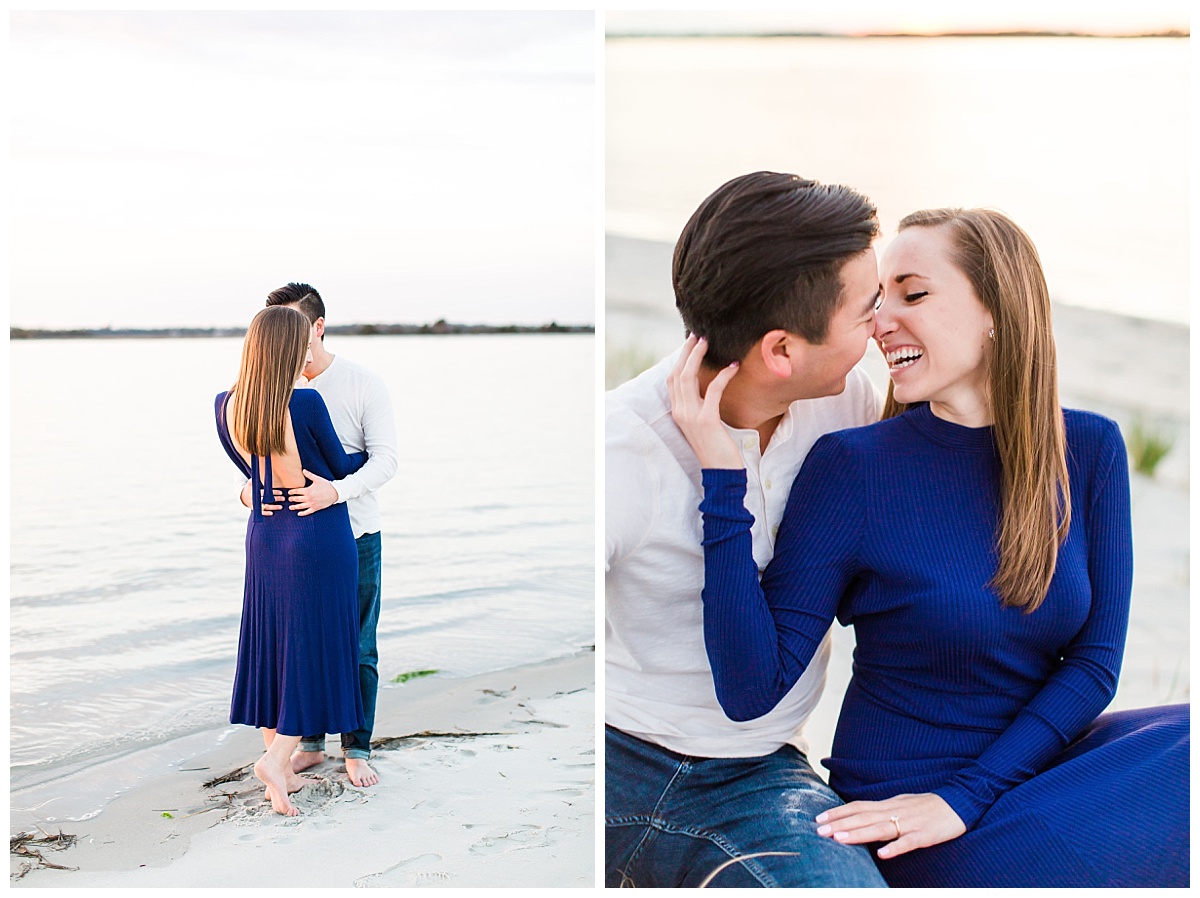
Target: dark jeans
[
  {"x": 671, "y": 819},
  {"x": 358, "y": 743}
]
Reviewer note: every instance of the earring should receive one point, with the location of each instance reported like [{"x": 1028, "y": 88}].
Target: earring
[{"x": 992, "y": 334}]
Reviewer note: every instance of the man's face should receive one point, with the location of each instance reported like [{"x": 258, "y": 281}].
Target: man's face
[
  {"x": 314, "y": 338},
  {"x": 825, "y": 366}
]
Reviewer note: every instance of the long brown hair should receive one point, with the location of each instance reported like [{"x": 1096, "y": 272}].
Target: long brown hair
[
  {"x": 1003, "y": 267},
  {"x": 273, "y": 356}
]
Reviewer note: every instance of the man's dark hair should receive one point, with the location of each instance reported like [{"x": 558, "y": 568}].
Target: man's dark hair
[
  {"x": 765, "y": 251},
  {"x": 306, "y": 297}
]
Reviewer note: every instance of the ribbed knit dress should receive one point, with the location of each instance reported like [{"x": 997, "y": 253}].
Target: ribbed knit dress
[
  {"x": 891, "y": 528},
  {"x": 297, "y": 662}
]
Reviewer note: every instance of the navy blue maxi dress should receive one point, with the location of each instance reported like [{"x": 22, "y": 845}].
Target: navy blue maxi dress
[
  {"x": 890, "y": 528},
  {"x": 297, "y": 668}
]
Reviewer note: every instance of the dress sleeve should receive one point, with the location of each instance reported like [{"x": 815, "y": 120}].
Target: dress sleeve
[
  {"x": 341, "y": 463},
  {"x": 1086, "y": 678},
  {"x": 760, "y": 637}
]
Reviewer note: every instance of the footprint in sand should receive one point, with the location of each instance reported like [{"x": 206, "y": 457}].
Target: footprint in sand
[
  {"x": 423, "y": 869},
  {"x": 502, "y": 841},
  {"x": 565, "y": 793}
]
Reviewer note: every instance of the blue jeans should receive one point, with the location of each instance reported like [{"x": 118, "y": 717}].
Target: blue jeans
[
  {"x": 358, "y": 743},
  {"x": 671, "y": 819}
]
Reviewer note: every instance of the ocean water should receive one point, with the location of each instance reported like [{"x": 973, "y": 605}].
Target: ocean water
[
  {"x": 1083, "y": 141},
  {"x": 127, "y": 533}
]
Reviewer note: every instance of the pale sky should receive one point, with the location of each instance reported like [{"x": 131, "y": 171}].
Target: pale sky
[
  {"x": 171, "y": 168},
  {"x": 866, "y": 16}
]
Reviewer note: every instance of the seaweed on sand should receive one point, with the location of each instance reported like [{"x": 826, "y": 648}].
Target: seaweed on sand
[
  {"x": 392, "y": 742},
  {"x": 233, "y": 776},
  {"x": 22, "y": 844}
]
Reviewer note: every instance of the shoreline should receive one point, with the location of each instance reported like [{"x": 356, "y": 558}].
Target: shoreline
[
  {"x": 438, "y": 328},
  {"x": 523, "y": 737}
]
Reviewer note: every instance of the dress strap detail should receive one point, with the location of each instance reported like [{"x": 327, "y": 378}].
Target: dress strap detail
[{"x": 257, "y": 487}]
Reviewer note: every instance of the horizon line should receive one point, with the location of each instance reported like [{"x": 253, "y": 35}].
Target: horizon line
[
  {"x": 1168, "y": 33},
  {"x": 441, "y": 327}
]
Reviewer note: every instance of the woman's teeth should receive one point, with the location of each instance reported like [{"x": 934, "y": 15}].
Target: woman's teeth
[{"x": 902, "y": 358}]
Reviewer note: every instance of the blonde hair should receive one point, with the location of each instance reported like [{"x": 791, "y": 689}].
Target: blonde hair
[
  {"x": 273, "y": 356},
  {"x": 1003, "y": 267}
]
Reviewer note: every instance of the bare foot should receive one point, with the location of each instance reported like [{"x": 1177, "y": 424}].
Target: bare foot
[
  {"x": 275, "y": 779},
  {"x": 302, "y": 760},
  {"x": 294, "y": 783},
  {"x": 360, "y": 772}
]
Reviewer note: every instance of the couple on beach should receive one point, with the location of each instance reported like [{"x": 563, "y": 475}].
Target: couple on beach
[
  {"x": 315, "y": 435},
  {"x": 976, "y": 535}
]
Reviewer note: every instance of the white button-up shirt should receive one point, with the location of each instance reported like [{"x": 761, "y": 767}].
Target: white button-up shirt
[
  {"x": 361, "y": 411},
  {"x": 658, "y": 684}
]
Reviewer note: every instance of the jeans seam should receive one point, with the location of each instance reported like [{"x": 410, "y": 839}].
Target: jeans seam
[
  {"x": 655, "y": 824},
  {"x": 651, "y": 822}
]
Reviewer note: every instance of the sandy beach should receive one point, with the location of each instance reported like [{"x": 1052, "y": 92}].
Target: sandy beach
[
  {"x": 1130, "y": 369},
  {"x": 484, "y": 781}
]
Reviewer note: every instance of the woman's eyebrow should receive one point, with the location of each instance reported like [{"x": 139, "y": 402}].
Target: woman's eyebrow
[{"x": 900, "y": 278}]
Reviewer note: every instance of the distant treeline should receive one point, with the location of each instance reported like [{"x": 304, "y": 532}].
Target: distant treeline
[
  {"x": 1172, "y": 32},
  {"x": 362, "y": 330}
]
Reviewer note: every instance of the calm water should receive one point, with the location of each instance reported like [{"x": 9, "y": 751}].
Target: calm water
[
  {"x": 127, "y": 533},
  {"x": 1084, "y": 142}
]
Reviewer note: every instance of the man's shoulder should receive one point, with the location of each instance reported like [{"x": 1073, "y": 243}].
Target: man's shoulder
[
  {"x": 348, "y": 368},
  {"x": 638, "y": 403}
]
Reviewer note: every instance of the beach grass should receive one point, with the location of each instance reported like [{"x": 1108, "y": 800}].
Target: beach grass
[
  {"x": 413, "y": 675},
  {"x": 1148, "y": 445},
  {"x": 626, "y": 362}
]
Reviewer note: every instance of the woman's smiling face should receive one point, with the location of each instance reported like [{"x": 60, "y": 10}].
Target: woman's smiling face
[{"x": 933, "y": 329}]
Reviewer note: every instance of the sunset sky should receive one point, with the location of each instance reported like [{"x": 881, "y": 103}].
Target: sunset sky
[
  {"x": 170, "y": 168},
  {"x": 917, "y": 16}
]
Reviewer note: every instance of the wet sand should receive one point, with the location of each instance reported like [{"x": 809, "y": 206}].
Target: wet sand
[{"x": 484, "y": 781}]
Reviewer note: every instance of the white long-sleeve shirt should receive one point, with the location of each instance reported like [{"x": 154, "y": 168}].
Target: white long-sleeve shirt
[
  {"x": 658, "y": 684},
  {"x": 362, "y": 415}
]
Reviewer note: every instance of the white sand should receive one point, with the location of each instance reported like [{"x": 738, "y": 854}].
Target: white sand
[{"x": 514, "y": 806}]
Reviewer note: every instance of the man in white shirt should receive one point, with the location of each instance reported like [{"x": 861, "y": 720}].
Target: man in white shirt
[
  {"x": 778, "y": 273},
  {"x": 362, "y": 415}
]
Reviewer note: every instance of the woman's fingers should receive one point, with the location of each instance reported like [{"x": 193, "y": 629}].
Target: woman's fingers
[
  {"x": 843, "y": 811},
  {"x": 856, "y": 833},
  {"x": 900, "y": 846},
  {"x": 712, "y": 396},
  {"x": 904, "y": 822},
  {"x": 694, "y": 358},
  {"x": 689, "y": 347},
  {"x": 699, "y": 417}
]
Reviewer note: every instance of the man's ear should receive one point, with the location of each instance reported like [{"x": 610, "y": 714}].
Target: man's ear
[
  {"x": 778, "y": 351},
  {"x": 319, "y": 328}
]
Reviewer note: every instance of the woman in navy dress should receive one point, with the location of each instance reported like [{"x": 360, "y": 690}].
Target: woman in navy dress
[
  {"x": 297, "y": 669},
  {"x": 979, "y": 540}
]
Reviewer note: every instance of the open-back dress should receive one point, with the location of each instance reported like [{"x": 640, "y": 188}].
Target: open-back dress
[{"x": 297, "y": 668}]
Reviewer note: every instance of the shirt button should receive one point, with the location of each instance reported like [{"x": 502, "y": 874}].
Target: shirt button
[
  {"x": 774, "y": 531},
  {"x": 767, "y": 483},
  {"x": 748, "y": 442}
]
